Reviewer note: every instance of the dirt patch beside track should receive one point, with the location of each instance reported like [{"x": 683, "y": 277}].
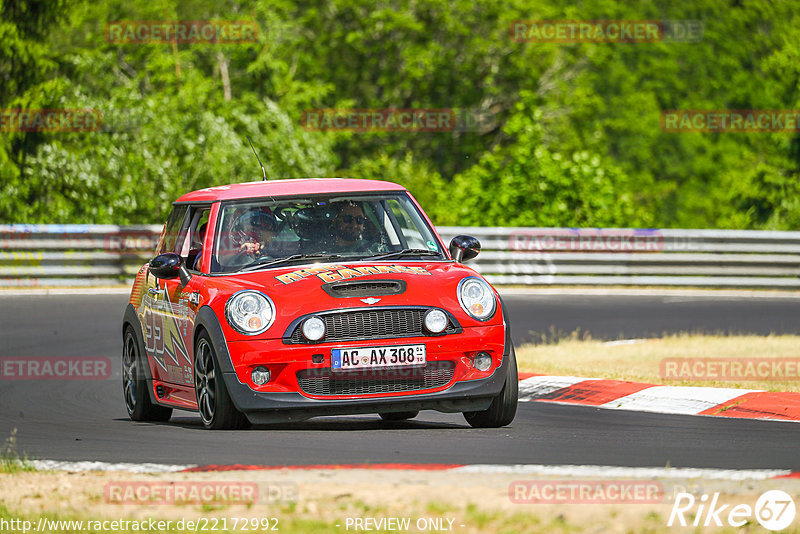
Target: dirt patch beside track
[{"x": 322, "y": 499}]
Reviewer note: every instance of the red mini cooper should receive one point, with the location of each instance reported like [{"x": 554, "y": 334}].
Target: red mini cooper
[{"x": 289, "y": 299}]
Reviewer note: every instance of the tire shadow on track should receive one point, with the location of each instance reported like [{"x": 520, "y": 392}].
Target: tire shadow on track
[{"x": 324, "y": 424}]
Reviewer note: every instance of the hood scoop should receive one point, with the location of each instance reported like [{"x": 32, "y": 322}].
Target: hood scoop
[{"x": 364, "y": 288}]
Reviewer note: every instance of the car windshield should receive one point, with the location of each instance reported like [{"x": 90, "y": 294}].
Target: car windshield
[{"x": 274, "y": 232}]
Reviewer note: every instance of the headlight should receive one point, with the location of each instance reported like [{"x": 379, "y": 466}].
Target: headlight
[
  {"x": 435, "y": 321},
  {"x": 250, "y": 312},
  {"x": 477, "y": 298},
  {"x": 313, "y": 328}
]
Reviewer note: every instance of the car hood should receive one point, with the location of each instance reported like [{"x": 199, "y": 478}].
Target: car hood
[{"x": 300, "y": 290}]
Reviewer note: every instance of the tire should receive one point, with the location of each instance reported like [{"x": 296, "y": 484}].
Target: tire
[
  {"x": 504, "y": 406},
  {"x": 135, "y": 384},
  {"x": 213, "y": 401},
  {"x": 398, "y": 416}
]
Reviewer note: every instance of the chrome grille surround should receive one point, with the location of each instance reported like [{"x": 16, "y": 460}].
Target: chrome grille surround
[{"x": 361, "y": 324}]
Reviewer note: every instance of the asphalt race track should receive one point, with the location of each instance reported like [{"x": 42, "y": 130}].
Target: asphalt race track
[
  {"x": 625, "y": 317},
  {"x": 86, "y": 420}
]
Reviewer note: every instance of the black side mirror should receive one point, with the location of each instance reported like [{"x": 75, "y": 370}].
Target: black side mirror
[
  {"x": 464, "y": 247},
  {"x": 168, "y": 266}
]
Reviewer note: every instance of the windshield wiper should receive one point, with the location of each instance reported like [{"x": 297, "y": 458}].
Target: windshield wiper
[
  {"x": 287, "y": 259},
  {"x": 404, "y": 252}
]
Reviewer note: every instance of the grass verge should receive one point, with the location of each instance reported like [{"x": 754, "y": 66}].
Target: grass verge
[
  {"x": 326, "y": 499},
  {"x": 640, "y": 361},
  {"x": 10, "y": 461}
]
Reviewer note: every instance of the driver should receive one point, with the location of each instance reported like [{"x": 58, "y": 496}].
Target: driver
[
  {"x": 348, "y": 227},
  {"x": 256, "y": 230}
]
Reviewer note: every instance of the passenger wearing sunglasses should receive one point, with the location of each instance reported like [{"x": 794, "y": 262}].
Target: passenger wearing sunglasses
[{"x": 348, "y": 228}]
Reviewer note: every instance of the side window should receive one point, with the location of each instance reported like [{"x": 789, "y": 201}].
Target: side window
[
  {"x": 199, "y": 229},
  {"x": 408, "y": 227},
  {"x": 172, "y": 230},
  {"x": 192, "y": 235}
]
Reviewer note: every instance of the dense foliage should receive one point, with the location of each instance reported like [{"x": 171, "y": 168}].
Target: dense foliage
[{"x": 572, "y": 135}]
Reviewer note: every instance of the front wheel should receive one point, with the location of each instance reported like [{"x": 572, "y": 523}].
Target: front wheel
[
  {"x": 504, "y": 406},
  {"x": 134, "y": 384},
  {"x": 213, "y": 401}
]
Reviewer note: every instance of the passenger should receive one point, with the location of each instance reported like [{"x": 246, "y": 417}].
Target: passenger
[{"x": 348, "y": 228}]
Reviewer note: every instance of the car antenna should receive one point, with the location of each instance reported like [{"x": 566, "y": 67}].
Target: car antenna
[{"x": 259, "y": 159}]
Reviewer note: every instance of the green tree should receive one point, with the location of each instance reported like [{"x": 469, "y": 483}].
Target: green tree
[{"x": 523, "y": 183}]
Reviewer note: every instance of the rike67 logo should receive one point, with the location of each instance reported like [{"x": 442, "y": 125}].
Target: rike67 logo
[{"x": 774, "y": 510}]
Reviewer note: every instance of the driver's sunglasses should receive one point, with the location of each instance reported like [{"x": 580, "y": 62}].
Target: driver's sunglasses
[{"x": 350, "y": 219}]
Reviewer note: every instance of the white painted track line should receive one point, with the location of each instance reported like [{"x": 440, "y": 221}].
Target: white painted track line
[
  {"x": 578, "y": 471},
  {"x": 56, "y": 465},
  {"x": 600, "y": 471},
  {"x": 537, "y": 386},
  {"x": 683, "y": 400}
]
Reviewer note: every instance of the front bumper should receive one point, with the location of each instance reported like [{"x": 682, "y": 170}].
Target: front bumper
[
  {"x": 468, "y": 396},
  {"x": 280, "y": 401}
]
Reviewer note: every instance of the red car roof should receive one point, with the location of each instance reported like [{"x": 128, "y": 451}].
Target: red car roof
[{"x": 295, "y": 186}]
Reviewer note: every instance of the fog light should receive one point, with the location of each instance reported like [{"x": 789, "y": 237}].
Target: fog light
[
  {"x": 313, "y": 329},
  {"x": 482, "y": 361},
  {"x": 260, "y": 376},
  {"x": 435, "y": 321}
]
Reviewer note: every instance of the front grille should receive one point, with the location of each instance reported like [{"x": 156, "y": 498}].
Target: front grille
[
  {"x": 324, "y": 382},
  {"x": 371, "y": 324},
  {"x": 364, "y": 289}
]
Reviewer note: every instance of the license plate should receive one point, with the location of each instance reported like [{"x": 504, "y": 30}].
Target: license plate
[{"x": 377, "y": 357}]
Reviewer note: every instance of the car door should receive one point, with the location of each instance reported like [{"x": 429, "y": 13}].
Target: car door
[{"x": 168, "y": 321}]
